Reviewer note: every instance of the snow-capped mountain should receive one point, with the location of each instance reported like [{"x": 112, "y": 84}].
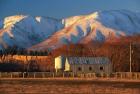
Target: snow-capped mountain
[
  {"x": 98, "y": 26},
  {"x": 25, "y": 31},
  {"x": 43, "y": 32}
]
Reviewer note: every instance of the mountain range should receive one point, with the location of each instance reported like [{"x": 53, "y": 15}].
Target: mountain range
[{"x": 41, "y": 33}]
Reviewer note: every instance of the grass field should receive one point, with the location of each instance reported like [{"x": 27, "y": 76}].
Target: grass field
[{"x": 67, "y": 86}]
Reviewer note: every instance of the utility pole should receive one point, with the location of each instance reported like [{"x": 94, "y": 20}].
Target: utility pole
[{"x": 130, "y": 48}]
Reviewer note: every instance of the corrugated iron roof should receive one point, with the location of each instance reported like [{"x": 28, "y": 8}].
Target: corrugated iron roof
[{"x": 88, "y": 60}]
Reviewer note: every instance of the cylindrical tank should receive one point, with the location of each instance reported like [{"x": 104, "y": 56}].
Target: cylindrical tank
[{"x": 59, "y": 63}]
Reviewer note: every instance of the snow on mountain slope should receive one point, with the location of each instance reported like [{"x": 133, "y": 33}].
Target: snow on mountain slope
[
  {"x": 71, "y": 20},
  {"x": 98, "y": 26},
  {"x": 10, "y": 21},
  {"x": 44, "y": 32},
  {"x": 25, "y": 31}
]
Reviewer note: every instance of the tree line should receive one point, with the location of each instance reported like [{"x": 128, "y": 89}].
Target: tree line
[
  {"x": 22, "y": 51},
  {"x": 8, "y": 63}
]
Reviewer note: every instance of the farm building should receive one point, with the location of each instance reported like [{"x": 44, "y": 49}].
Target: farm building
[{"x": 83, "y": 64}]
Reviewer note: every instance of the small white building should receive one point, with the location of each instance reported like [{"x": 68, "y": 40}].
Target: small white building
[
  {"x": 60, "y": 63},
  {"x": 83, "y": 64}
]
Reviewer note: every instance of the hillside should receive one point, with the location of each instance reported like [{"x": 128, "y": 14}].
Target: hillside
[
  {"x": 96, "y": 27},
  {"x": 41, "y": 33},
  {"x": 24, "y": 31}
]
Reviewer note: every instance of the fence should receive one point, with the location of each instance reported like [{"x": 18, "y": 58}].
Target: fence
[{"x": 117, "y": 75}]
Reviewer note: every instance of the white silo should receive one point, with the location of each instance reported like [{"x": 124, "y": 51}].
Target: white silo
[{"x": 59, "y": 63}]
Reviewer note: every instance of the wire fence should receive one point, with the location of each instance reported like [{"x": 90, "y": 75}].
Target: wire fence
[{"x": 117, "y": 75}]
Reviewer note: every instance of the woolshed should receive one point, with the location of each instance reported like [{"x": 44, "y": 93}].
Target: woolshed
[{"x": 83, "y": 64}]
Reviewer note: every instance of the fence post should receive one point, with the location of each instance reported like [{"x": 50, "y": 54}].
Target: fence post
[
  {"x": 89, "y": 75},
  {"x": 73, "y": 75},
  {"x": 135, "y": 75},
  {"x": 34, "y": 74},
  {"x": 101, "y": 75},
  {"x": 43, "y": 75},
  {"x": 107, "y": 75},
  {"x": 84, "y": 75},
  {"x": 27, "y": 74},
  {"x": 81, "y": 75},
  {"x": 95, "y": 75},
  {"x": 53, "y": 74},
  {"x": 63, "y": 75},
  {"x": 121, "y": 75},
  {"x": 130, "y": 75},
  {"x": 92, "y": 75},
  {"x": 115, "y": 75},
  {"x": 23, "y": 74},
  {"x": 138, "y": 75},
  {"x": 11, "y": 75}
]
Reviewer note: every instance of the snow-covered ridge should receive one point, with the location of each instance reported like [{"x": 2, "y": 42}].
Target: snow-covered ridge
[
  {"x": 10, "y": 21},
  {"x": 98, "y": 26},
  {"x": 71, "y": 20},
  {"x": 46, "y": 32},
  {"x": 25, "y": 31}
]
